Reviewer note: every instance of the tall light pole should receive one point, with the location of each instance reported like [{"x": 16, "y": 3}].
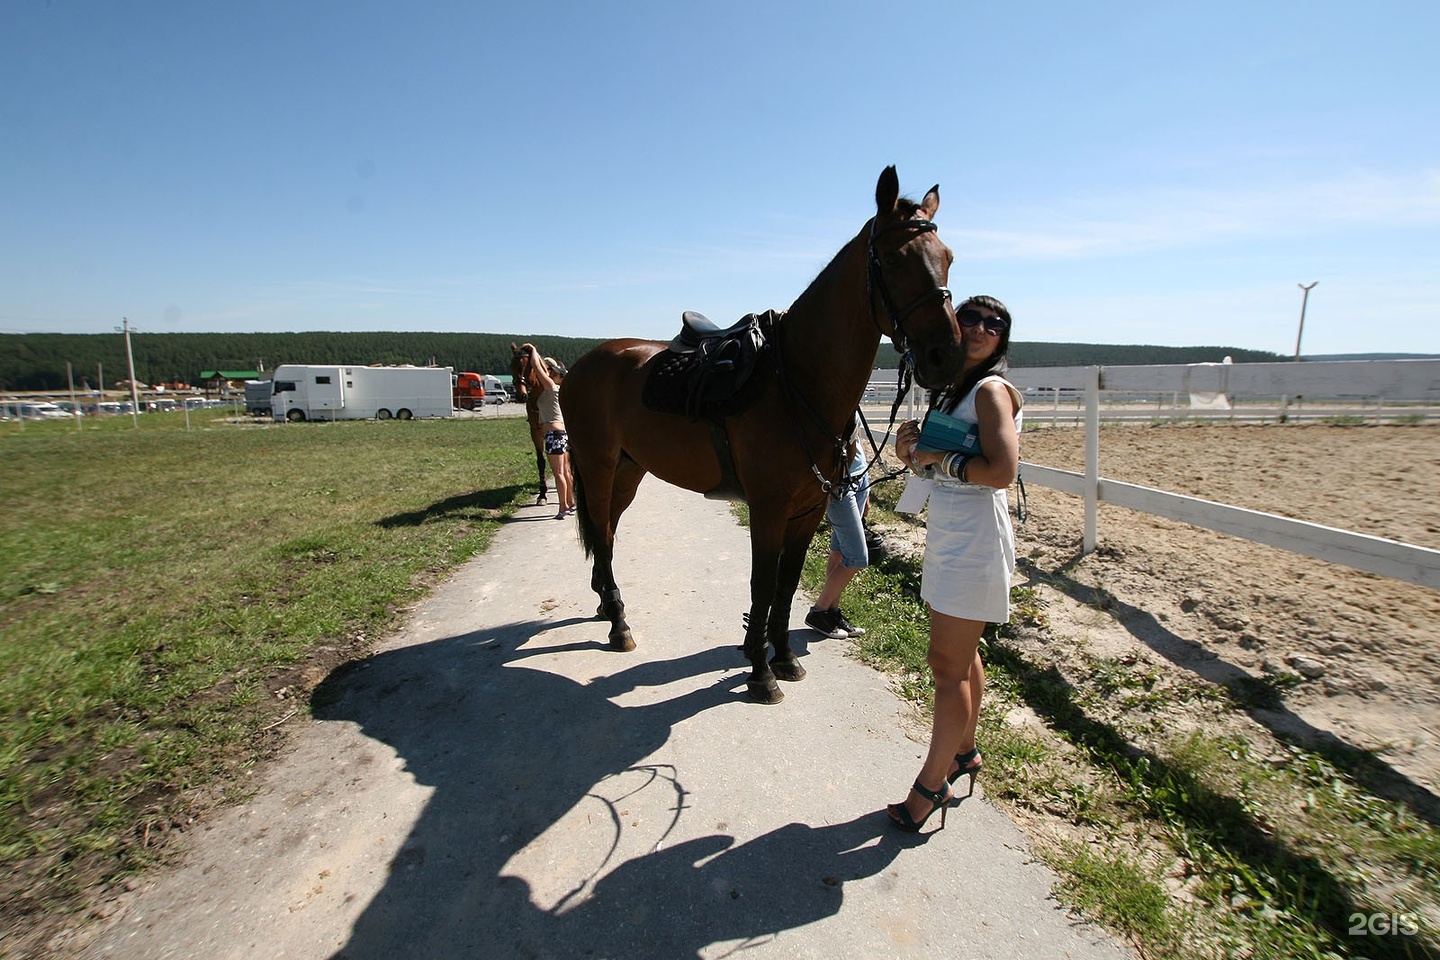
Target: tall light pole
[
  {"x": 1303, "y": 301},
  {"x": 130, "y": 363}
]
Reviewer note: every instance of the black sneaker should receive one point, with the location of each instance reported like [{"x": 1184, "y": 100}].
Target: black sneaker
[
  {"x": 826, "y": 622},
  {"x": 845, "y": 624}
]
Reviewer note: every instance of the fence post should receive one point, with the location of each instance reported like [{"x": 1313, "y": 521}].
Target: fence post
[{"x": 1092, "y": 457}]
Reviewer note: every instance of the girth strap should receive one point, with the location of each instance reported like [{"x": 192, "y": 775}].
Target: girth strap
[{"x": 729, "y": 488}]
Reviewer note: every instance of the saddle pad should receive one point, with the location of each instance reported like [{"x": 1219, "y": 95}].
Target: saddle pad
[
  {"x": 666, "y": 384},
  {"x": 682, "y": 384}
]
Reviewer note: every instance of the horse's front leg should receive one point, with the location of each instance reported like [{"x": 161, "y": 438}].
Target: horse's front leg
[
  {"x": 760, "y": 686},
  {"x": 764, "y": 558},
  {"x": 791, "y": 562}
]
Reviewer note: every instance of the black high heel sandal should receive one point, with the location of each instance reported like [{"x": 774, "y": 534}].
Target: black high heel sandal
[
  {"x": 939, "y": 799},
  {"x": 964, "y": 760}
]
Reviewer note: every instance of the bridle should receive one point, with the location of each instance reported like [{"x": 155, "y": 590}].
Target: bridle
[{"x": 875, "y": 283}]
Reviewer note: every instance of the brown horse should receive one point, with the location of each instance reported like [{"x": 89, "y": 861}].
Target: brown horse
[
  {"x": 520, "y": 380},
  {"x": 787, "y": 448}
]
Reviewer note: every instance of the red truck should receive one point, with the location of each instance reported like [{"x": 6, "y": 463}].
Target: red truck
[{"x": 468, "y": 391}]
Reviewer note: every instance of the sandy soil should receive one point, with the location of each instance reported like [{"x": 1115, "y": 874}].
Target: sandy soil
[{"x": 1364, "y": 650}]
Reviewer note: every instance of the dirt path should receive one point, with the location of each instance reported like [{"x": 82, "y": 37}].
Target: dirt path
[{"x": 495, "y": 782}]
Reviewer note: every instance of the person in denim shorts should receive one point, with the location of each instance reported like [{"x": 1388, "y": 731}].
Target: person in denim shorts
[
  {"x": 848, "y": 553},
  {"x": 549, "y": 373}
]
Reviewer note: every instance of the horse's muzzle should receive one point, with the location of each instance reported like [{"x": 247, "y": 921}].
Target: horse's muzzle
[{"x": 938, "y": 367}]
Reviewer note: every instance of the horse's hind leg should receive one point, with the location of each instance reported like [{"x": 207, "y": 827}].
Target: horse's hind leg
[
  {"x": 603, "y": 518},
  {"x": 612, "y": 606}
]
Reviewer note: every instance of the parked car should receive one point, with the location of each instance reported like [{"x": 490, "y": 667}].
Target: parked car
[
  {"x": 34, "y": 410},
  {"x": 497, "y": 395}
]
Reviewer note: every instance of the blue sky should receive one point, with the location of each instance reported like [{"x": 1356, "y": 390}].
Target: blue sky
[{"x": 1116, "y": 172}]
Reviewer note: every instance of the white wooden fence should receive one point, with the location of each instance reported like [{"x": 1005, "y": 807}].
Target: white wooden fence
[{"x": 1398, "y": 380}]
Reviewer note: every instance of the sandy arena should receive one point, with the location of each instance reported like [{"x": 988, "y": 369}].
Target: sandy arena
[{"x": 1368, "y": 647}]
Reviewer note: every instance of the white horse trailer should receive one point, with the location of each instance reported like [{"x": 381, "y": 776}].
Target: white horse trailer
[{"x": 320, "y": 392}]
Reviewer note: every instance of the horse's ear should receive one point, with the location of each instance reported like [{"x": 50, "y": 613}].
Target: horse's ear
[
  {"x": 887, "y": 191},
  {"x": 931, "y": 203}
]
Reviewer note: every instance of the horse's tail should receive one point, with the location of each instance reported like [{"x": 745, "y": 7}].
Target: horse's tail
[{"x": 588, "y": 534}]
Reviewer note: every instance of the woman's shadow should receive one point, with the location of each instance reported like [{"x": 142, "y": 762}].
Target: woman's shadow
[{"x": 509, "y": 750}]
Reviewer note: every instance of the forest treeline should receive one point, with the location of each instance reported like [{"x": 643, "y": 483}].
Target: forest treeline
[{"x": 37, "y": 361}]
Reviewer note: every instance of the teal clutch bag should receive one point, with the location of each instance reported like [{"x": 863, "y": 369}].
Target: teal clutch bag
[{"x": 940, "y": 431}]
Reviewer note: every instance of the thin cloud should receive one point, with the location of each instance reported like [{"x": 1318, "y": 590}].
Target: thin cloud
[{"x": 1139, "y": 222}]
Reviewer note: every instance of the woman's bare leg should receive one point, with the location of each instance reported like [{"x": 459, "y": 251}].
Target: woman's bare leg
[{"x": 954, "y": 658}]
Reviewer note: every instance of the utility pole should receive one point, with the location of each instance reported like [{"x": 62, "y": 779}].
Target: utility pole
[
  {"x": 130, "y": 362},
  {"x": 1303, "y": 301}
]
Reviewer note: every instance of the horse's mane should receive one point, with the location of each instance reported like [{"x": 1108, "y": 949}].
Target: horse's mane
[{"x": 904, "y": 208}]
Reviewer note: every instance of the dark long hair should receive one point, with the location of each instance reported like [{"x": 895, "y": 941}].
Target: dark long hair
[{"x": 949, "y": 398}]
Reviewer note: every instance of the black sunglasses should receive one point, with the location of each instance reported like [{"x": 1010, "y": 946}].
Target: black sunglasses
[{"x": 972, "y": 318}]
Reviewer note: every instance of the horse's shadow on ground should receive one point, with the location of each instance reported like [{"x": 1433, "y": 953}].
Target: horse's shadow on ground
[
  {"x": 483, "y": 504},
  {"x": 1380, "y": 778},
  {"x": 509, "y": 750}
]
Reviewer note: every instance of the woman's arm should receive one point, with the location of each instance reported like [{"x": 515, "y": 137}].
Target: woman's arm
[
  {"x": 542, "y": 373},
  {"x": 999, "y": 461}
]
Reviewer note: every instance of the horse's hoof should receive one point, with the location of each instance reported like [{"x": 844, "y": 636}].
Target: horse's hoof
[
  {"x": 622, "y": 641},
  {"x": 763, "y": 691},
  {"x": 788, "y": 670}
]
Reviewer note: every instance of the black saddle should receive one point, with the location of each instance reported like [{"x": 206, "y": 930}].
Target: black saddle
[
  {"x": 707, "y": 371},
  {"x": 696, "y": 330}
]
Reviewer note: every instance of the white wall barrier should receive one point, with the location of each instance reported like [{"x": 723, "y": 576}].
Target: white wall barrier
[{"x": 1399, "y": 380}]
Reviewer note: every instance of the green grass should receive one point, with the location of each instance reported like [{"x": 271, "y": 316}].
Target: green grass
[
  {"x": 1193, "y": 847},
  {"x": 164, "y": 588}
]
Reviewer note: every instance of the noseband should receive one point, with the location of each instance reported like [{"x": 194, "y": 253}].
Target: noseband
[{"x": 875, "y": 282}]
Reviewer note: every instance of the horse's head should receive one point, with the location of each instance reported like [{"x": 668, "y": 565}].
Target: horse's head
[
  {"x": 519, "y": 372},
  {"x": 909, "y": 269}
]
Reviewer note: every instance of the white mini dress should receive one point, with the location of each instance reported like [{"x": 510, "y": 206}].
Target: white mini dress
[{"x": 969, "y": 542}]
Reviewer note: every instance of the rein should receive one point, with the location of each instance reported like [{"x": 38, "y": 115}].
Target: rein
[
  {"x": 836, "y": 489},
  {"x": 829, "y": 488}
]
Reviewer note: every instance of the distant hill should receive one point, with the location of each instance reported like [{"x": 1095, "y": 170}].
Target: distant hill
[
  {"x": 1107, "y": 354},
  {"x": 36, "y": 361},
  {"x": 1372, "y": 356}
]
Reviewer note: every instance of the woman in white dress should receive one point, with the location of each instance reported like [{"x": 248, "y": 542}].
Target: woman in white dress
[{"x": 969, "y": 448}]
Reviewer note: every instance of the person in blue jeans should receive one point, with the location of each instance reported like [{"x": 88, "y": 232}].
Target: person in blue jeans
[{"x": 848, "y": 553}]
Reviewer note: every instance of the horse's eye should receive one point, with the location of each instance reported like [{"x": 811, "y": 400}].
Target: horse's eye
[{"x": 892, "y": 260}]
